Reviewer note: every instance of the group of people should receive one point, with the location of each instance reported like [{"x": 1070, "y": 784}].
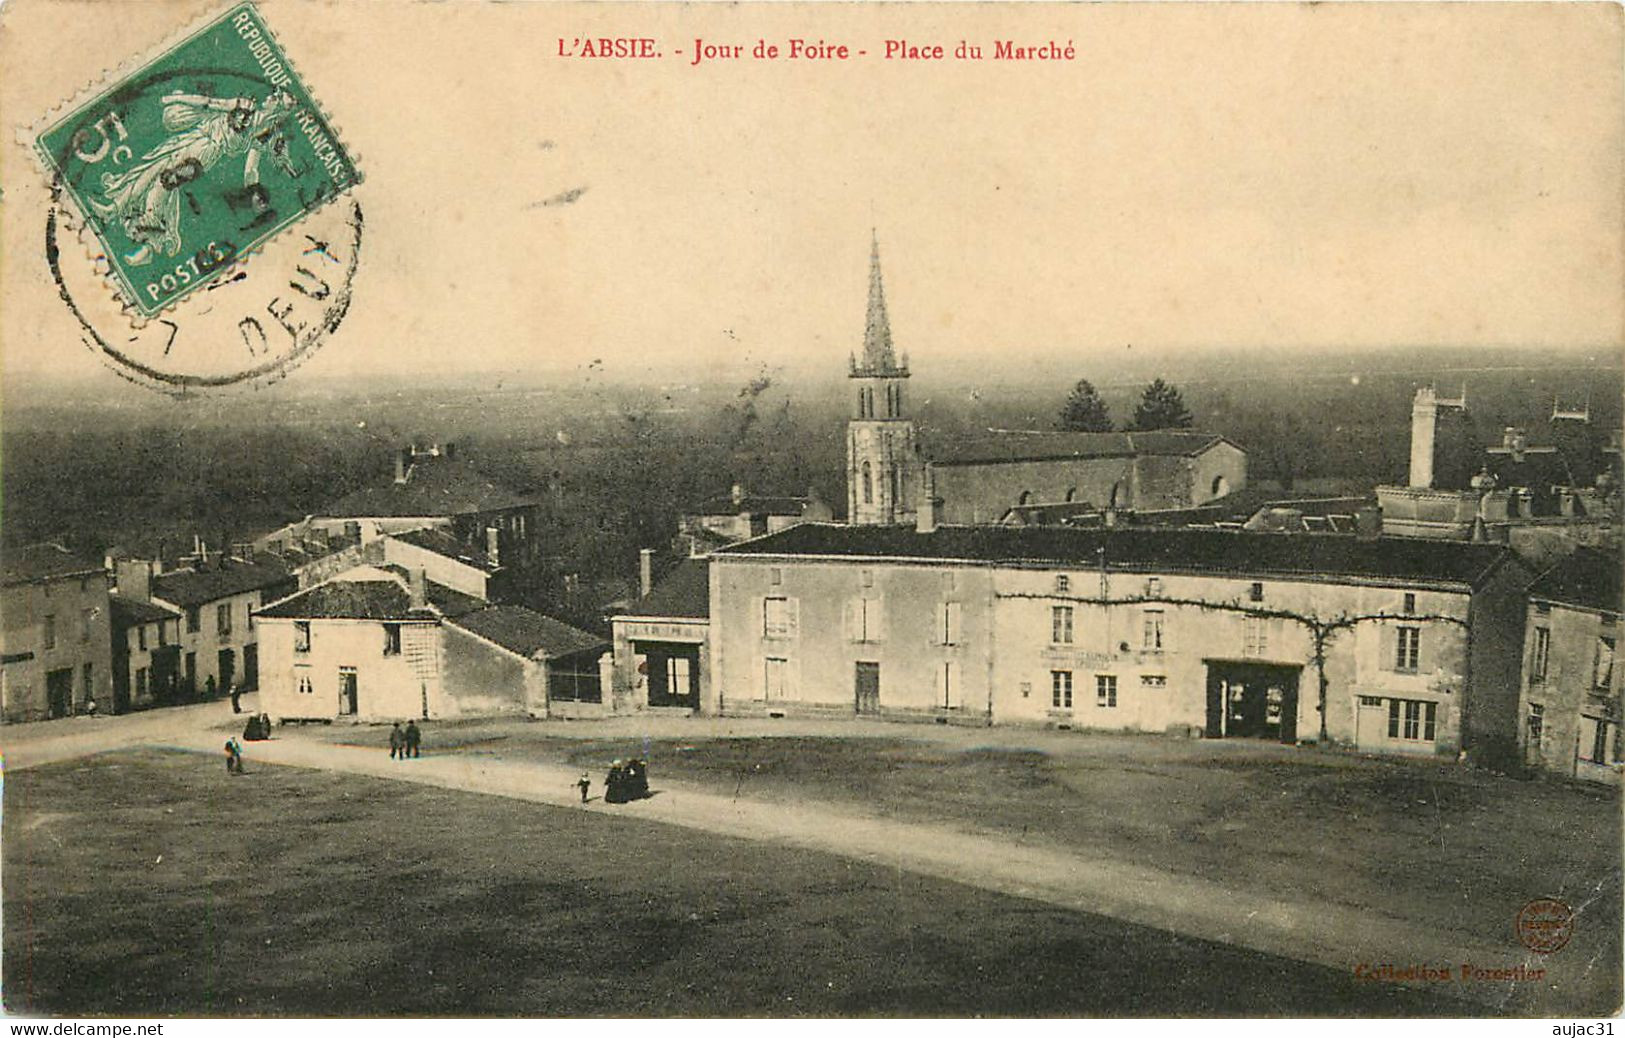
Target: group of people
[
  {"x": 404, "y": 743},
  {"x": 234, "y": 757},
  {"x": 627, "y": 780}
]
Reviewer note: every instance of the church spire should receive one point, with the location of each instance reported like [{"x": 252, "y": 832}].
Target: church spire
[{"x": 878, "y": 357}]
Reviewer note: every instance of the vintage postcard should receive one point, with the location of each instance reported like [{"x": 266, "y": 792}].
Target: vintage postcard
[{"x": 841, "y": 510}]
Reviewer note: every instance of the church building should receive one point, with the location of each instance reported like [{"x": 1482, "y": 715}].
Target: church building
[{"x": 889, "y": 475}]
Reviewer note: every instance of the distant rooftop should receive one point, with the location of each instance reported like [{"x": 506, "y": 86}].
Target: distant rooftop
[
  {"x": 130, "y": 612},
  {"x": 1053, "y": 446},
  {"x": 527, "y": 632},
  {"x": 194, "y": 587},
  {"x": 38, "y": 562},
  {"x": 684, "y": 593},
  {"x": 1589, "y": 578},
  {"x": 436, "y": 485},
  {"x": 439, "y": 541}
]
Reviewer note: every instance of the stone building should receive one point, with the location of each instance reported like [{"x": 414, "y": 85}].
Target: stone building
[
  {"x": 1386, "y": 644},
  {"x": 55, "y": 634},
  {"x": 1570, "y": 700},
  {"x": 216, "y": 597},
  {"x": 889, "y": 473},
  {"x": 146, "y": 652},
  {"x": 379, "y": 644},
  {"x": 739, "y": 515}
]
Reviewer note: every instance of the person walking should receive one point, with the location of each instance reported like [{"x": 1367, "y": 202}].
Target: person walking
[
  {"x": 234, "y": 760},
  {"x": 235, "y": 692},
  {"x": 414, "y": 738},
  {"x": 397, "y": 743},
  {"x": 584, "y": 783}
]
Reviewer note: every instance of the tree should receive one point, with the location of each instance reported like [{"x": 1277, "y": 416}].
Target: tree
[
  {"x": 1161, "y": 407},
  {"x": 1084, "y": 411}
]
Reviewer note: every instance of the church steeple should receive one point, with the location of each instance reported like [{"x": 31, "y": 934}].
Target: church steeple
[{"x": 879, "y": 359}]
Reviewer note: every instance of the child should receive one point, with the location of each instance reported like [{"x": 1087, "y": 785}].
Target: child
[{"x": 584, "y": 783}]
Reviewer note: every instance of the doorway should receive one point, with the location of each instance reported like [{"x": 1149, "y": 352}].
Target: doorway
[
  {"x": 1252, "y": 701},
  {"x": 348, "y": 694},
  {"x": 59, "y": 692},
  {"x": 866, "y": 682},
  {"x": 673, "y": 673},
  {"x": 251, "y": 667},
  {"x": 228, "y": 669}
]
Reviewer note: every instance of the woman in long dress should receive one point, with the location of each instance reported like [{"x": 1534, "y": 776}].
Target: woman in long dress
[{"x": 145, "y": 199}]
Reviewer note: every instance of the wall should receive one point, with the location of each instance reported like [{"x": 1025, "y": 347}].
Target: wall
[
  {"x": 1573, "y": 704},
  {"x": 23, "y": 609},
  {"x": 1221, "y": 461},
  {"x": 982, "y": 493},
  {"x": 447, "y": 572},
  {"x": 481, "y": 679},
  {"x": 823, "y": 648},
  {"x": 209, "y": 639},
  {"x": 159, "y": 635},
  {"x": 388, "y": 687}
]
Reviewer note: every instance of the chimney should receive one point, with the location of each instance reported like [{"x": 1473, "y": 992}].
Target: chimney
[
  {"x": 738, "y": 494},
  {"x": 925, "y": 516},
  {"x": 418, "y": 585},
  {"x": 1424, "y": 424},
  {"x": 493, "y": 545},
  {"x": 134, "y": 578},
  {"x": 646, "y": 571},
  {"x": 400, "y": 464}
]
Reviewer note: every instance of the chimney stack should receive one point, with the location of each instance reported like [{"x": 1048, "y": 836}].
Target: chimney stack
[
  {"x": 646, "y": 571},
  {"x": 134, "y": 578},
  {"x": 418, "y": 586},
  {"x": 450, "y": 451},
  {"x": 402, "y": 457},
  {"x": 493, "y": 545},
  {"x": 925, "y": 516},
  {"x": 738, "y": 494}
]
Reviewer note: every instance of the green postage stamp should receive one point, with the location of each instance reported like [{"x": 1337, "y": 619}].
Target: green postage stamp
[{"x": 195, "y": 158}]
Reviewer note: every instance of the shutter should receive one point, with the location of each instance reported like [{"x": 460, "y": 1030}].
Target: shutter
[
  {"x": 850, "y": 620},
  {"x": 877, "y": 619},
  {"x": 759, "y": 603},
  {"x": 954, "y": 623},
  {"x": 792, "y": 610}
]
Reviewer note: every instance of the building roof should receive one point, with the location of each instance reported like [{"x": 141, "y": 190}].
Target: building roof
[
  {"x": 193, "y": 587},
  {"x": 370, "y": 593},
  {"x": 1057, "y": 446},
  {"x": 434, "y": 486},
  {"x": 1142, "y": 549},
  {"x": 527, "y": 632},
  {"x": 1589, "y": 578},
  {"x": 685, "y": 592},
  {"x": 132, "y": 612},
  {"x": 439, "y": 541},
  {"x": 754, "y": 504},
  {"x": 37, "y": 562}
]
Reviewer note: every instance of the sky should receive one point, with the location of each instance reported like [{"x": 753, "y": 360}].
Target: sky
[{"x": 1200, "y": 177}]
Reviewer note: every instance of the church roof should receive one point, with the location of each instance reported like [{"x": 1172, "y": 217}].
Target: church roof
[
  {"x": 1242, "y": 554},
  {"x": 1058, "y": 446}
]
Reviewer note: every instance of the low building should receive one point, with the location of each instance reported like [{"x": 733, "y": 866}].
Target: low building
[
  {"x": 662, "y": 658},
  {"x": 736, "y": 516},
  {"x": 376, "y": 644},
  {"x": 1571, "y": 688},
  {"x": 216, "y": 598},
  {"x": 146, "y": 653},
  {"x": 1385, "y": 644},
  {"x": 55, "y": 634}
]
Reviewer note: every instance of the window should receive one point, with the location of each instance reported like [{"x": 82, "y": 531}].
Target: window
[
  {"x": 301, "y": 636},
  {"x": 301, "y": 677},
  {"x": 950, "y": 683},
  {"x": 1106, "y": 690},
  {"x": 1407, "y": 656},
  {"x": 141, "y": 637},
  {"x": 1370, "y": 700},
  {"x": 84, "y": 624},
  {"x": 1255, "y": 593},
  {"x": 868, "y": 484},
  {"x": 1537, "y": 724},
  {"x": 1153, "y": 586},
  {"x": 1412, "y": 720},
  {"x": 776, "y": 617},
  {"x": 1154, "y": 680},
  {"x": 222, "y": 619},
  {"x": 773, "y": 677},
  {"x": 163, "y": 633},
  {"x": 948, "y": 628},
  {"x": 1060, "y": 684},
  {"x": 90, "y": 686},
  {"x": 865, "y": 619},
  {"x": 141, "y": 682},
  {"x": 392, "y": 639},
  {"x": 50, "y": 631},
  {"x": 1255, "y": 636},
  {"x": 1410, "y": 603},
  {"x": 1063, "y": 583},
  {"x": 775, "y": 576},
  {"x": 1060, "y": 625},
  {"x": 1151, "y": 631},
  {"x": 866, "y": 577},
  {"x": 1540, "y": 653},
  {"x": 250, "y": 605},
  {"x": 1602, "y": 670},
  {"x": 1594, "y": 747},
  {"x": 192, "y": 621}
]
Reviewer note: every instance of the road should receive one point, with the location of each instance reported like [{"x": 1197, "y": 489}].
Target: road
[{"x": 1318, "y": 931}]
